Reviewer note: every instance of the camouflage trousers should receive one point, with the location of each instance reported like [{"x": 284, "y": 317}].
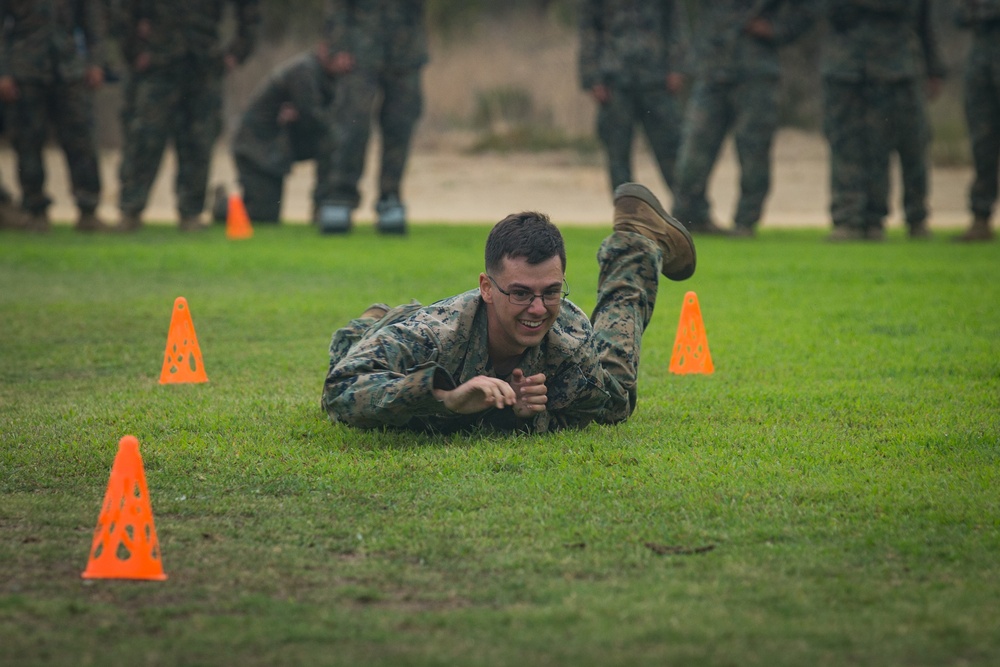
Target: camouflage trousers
[
  {"x": 912, "y": 134},
  {"x": 658, "y": 111},
  {"x": 264, "y": 189},
  {"x": 400, "y": 103},
  {"x": 182, "y": 102},
  {"x": 626, "y": 295},
  {"x": 862, "y": 122},
  {"x": 67, "y": 107},
  {"x": 749, "y": 108},
  {"x": 982, "y": 113}
]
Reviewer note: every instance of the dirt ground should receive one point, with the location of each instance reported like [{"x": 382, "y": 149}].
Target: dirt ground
[{"x": 445, "y": 183}]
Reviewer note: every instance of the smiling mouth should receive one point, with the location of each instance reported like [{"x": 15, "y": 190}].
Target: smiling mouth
[{"x": 532, "y": 324}]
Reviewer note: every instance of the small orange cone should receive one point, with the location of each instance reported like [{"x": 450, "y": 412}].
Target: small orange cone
[
  {"x": 691, "y": 353},
  {"x": 237, "y": 221},
  {"x": 125, "y": 544},
  {"x": 182, "y": 359}
]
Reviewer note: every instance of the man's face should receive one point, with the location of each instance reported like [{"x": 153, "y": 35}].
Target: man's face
[{"x": 512, "y": 327}]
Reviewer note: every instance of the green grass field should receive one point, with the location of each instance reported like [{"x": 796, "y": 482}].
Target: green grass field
[{"x": 829, "y": 496}]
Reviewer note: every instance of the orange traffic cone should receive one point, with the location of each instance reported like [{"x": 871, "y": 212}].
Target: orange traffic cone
[
  {"x": 125, "y": 544},
  {"x": 237, "y": 221},
  {"x": 691, "y": 353},
  {"x": 182, "y": 359}
]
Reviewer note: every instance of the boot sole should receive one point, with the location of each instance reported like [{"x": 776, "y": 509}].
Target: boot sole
[{"x": 643, "y": 194}]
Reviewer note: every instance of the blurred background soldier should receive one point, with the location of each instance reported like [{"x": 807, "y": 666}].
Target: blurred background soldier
[
  {"x": 871, "y": 76},
  {"x": 913, "y": 132},
  {"x": 287, "y": 120},
  {"x": 630, "y": 61},
  {"x": 385, "y": 44},
  {"x": 176, "y": 67},
  {"x": 51, "y": 57},
  {"x": 982, "y": 110},
  {"x": 736, "y": 88}
]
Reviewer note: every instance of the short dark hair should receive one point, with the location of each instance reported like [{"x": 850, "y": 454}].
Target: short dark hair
[{"x": 529, "y": 235}]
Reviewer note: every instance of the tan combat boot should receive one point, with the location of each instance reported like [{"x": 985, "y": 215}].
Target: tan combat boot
[
  {"x": 89, "y": 222},
  {"x": 637, "y": 210},
  {"x": 979, "y": 231}
]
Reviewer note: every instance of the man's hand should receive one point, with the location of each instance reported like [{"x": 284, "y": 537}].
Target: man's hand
[
  {"x": 601, "y": 93},
  {"x": 94, "y": 77},
  {"x": 8, "y": 89},
  {"x": 675, "y": 82},
  {"x": 478, "y": 394},
  {"x": 760, "y": 28},
  {"x": 531, "y": 392}
]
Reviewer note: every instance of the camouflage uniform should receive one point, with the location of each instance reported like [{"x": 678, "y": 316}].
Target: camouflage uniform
[
  {"x": 39, "y": 48},
  {"x": 982, "y": 101},
  {"x": 630, "y": 47},
  {"x": 870, "y": 67},
  {"x": 178, "y": 95},
  {"x": 265, "y": 148},
  {"x": 382, "y": 372},
  {"x": 389, "y": 43},
  {"x": 913, "y": 128},
  {"x": 736, "y": 88}
]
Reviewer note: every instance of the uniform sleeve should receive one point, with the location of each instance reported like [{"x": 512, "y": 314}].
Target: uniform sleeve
[
  {"x": 582, "y": 392},
  {"x": 795, "y": 19},
  {"x": 95, "y": 31},
  {"x": 591, "y": 35},
  {"x": 934, "y": 66},
  {"x": 247, "y": 27},
  {"x": 387, "y": 380}
]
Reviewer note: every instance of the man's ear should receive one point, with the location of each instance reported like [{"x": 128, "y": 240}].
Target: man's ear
[{"x": 485, "y": 288}]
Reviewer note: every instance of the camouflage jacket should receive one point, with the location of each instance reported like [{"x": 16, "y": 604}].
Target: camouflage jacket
[
  {"x": 630, "y": 42},
  {"x": 872, "y": 40},
  {"x": 45, "y": 40},
  {"x": 273, "y": 146},
  {"x": 724, "y": 51},
  {"x": 381, "y": 34},
  {"x": 183, "y": 28},
  {"x": 978, "y": 13},
  {"x": 928, "y": 54},
  {"x": 387, "y": 376}
]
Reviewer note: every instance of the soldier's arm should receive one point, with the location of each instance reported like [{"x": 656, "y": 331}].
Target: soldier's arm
[
  {"x": 591, "y": 35},
  {"x": 247, "y": 27},
  {"x": 934, "y": 66},
  {"x": 794, "y": 19},
  {"x": 387, "y": 380}
]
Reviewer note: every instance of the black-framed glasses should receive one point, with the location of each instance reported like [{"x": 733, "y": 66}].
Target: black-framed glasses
[{"x": 522, "y": 297}]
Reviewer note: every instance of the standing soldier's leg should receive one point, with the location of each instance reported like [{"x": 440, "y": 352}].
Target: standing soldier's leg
[
  {"x": 402, "y": 104},
  {"x": 912, "y": 138},
  {"x": 154, "y": 100},
  {"x": 756, "y": 123},
  {"x": 708, "y": 117},
  {"x": 660, "y": 115},
  {"x": 29, "y": 116},
  {"x": 198, "y": 124},
  {"x": 614, "y": 129},
  {"x": 843, "y": 118},
  {"x": 982, "y": 112},
  {"x": 74, "y": 130},
  {"x": 354, "y": 100},
  {"x": 877, "y": 132}
]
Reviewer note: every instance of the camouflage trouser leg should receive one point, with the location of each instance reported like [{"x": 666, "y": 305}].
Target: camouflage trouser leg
[
  {"x": 261, "y": 191},
  {"x": 353, "y": 103},
  {"x": 912, "y": 139},
  {"x": 146, "y": 129},
  {"x": 982, "y": 112},
  {"x": 74, "y": 130},
  {"x": 626, "y": 294},
  {"x": 708, "y": 118},
  {"x": 859, "y": 152},
  {"x": 756, "y": 105},
  {"x": 29, "y": 129},
  {"x": 197, "y": 125},
  {"x": 402, "y": 104},
  {"x": 658, "y": 112},
  {"x": 615, "y": 131}
]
